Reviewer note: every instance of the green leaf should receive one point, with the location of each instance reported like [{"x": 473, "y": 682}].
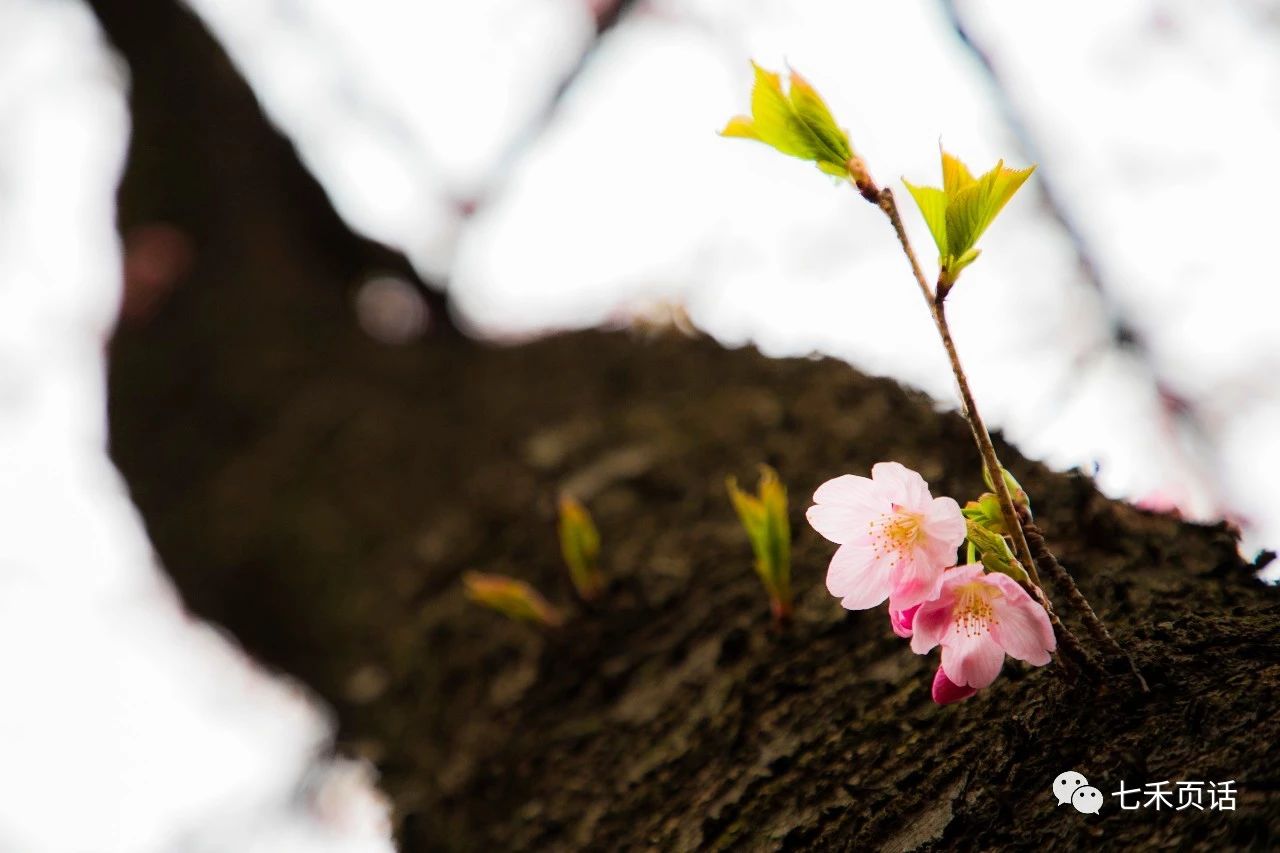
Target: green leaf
[
  {"x": 968, "y": 206},
  {"x": 1005, "y": 183},
  {"x": 964, "y": 213},
  {"x": 764, "y": 517},
  {"x": 510, "y": 597},
  {"x": 834, "y": 170},
  {"x": 775, "y": 122},
  {"x": 742, "y": 128},
  {"x": 813, "y": 113},
  {"x": 955, "y": 174},
  {"x": 952, "y": 266},
  {"x": 933, "y": 207},
  {"x": 796, "y": 123},
  {"x": 750, "y": 509},
  {"x": 580, "y": 547},
  {"x": 973, "y": 207}
]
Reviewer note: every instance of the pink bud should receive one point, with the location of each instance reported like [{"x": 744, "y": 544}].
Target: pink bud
[
  {"x": 946, "y": 691},
  {"x": 901, "y": 620}
]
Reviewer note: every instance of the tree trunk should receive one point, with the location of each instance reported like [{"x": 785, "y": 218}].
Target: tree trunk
[
  {"x": 327, "y": 526},
  {"x": 204, "y": 158}
]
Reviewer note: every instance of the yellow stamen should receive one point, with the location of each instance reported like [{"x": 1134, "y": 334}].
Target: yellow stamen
[
  {"x": 896, "y": 532},
  {"x": 973, "y": 613}
]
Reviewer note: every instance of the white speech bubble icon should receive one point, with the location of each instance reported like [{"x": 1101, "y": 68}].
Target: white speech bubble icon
[
  {"x": 1087, "y": 800},
  {"x": 1066, "y": 784}
]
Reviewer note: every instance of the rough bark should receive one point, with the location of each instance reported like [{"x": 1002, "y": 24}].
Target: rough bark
[{"x": 330, "y": 536}]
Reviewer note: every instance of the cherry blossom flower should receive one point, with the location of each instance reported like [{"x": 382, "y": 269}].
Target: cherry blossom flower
[
  {"x": 895, "y": 538},
  {"x": 977, "y": 618}
]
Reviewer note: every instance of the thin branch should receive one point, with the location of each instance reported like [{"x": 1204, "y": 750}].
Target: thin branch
[
  {"x": 1075, "y": 597},
  {"x": 883, "y": 198},
  {"x": 968, "y": 406},
  {"x": 609, "y": 15}
]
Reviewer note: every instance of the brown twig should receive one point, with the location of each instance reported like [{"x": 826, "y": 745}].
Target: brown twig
[
  {"x": 1049, "y": 563},
  {"x": 883, "y": 198},
  {"x": 968, "y": 406},
  {"x": 1072, "y": 657}
]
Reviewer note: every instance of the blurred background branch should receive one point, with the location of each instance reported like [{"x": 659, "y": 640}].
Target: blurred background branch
[{"x": 205, "y": 159}]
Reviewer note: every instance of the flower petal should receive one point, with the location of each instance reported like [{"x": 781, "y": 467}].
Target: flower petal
[
  {"x": 931, "y": 622},
  {"x": 963, "y": 574},
  {"x": 901, "y": 485},
  {"x": 839, "y": 523},
  {"x": 946, "y": 691},
  {"x": 844, "y": 507},
  {"x": 944, "y": 523},
  {"x": 1021, "y": 626},
  {"x": 970, "y": 657},
  {"x": 916, "y": 578},
  {"x": 858, "y": 577},
  {"x": 850, "y": 490}
]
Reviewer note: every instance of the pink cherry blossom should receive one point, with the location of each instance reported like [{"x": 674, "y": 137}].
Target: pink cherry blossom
[
  {"x": 895, "y": 538},
  {"x": 946, "y": 691},
  {"x": 977, "y": 618}
]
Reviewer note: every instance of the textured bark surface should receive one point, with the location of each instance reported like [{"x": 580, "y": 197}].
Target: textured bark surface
[{"x": 325, "y": 521}]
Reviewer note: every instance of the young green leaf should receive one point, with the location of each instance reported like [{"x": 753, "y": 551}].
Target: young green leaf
[
  {"x": 764, "y": 517},
  {"x": 580, "y": 546},
  {"x": 933, "y": 205},
  {"x": 512, "y": 598},
  {"x": 955, "y": 174},
  {"x": 796, "y": 122},
  {"x": 959, "y": 212}
]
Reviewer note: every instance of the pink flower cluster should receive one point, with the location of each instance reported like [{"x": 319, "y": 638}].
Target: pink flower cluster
[{"x": 899, "y": 543}]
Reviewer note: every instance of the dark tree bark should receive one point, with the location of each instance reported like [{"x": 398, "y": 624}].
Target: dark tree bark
[{"x": 331, "y": 538}]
